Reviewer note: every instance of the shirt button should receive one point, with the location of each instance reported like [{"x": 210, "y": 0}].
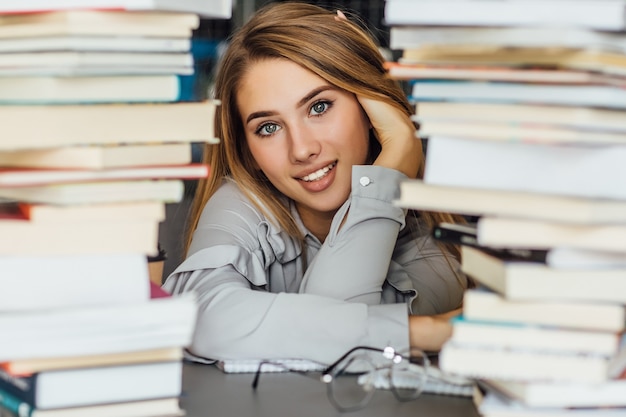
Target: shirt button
[{"x": 365, "y": 181}]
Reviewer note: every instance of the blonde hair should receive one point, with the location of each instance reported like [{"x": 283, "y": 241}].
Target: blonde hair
[{"x": 341, "y": 52}]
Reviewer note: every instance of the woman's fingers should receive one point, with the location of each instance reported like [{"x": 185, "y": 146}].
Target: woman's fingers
[{"x": 401, "y": 149}]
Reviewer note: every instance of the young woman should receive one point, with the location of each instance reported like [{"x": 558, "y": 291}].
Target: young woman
[{"x": 297, "y": 249}]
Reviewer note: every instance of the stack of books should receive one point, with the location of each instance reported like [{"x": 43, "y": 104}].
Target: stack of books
[
  {"x": 96, "y": 139},
  {"x": 521, "y": 103}
]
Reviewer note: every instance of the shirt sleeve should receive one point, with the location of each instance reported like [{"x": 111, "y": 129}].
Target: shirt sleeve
[
  {"x": 353, "y": 262},
  {"x": 238, "y": 318}
]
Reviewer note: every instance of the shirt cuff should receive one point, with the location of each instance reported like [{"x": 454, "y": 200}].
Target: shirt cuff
[{"x": 388, "y": 325}]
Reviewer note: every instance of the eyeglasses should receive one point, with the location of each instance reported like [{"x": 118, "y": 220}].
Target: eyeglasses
[{"x": 352, "y": 380}]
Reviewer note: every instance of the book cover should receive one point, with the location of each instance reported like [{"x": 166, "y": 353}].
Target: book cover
[
  {"x": 76, "y": 387},
  {"x": 415, "y": 36},
  {"x": 42, "y": 282},
  {"x": 568, "y": 170},
  {"x": 475, "y": 201},
  {"x": 80, "y": 238},
  {"x": 608, "y": 394},
  {"x": 27, "y": 367},
  {"x": 495, "y": 404},
  {"x": 12, "y": 407},
  {"x": 163, "y": 62},
  {"x": 416, "y": 71},
  {"x": 542, "y": 234},
  {"x": 602, "y": 62},
  {"x": 105, "y": 192},
  {"x": 99, "y": 157},
  {"x": 24, "y": 177},
  {"x": 485, "y": 305},
  {"x": 506, "y": 131},
  {"x": 603, "y": 15},
  {"x": 584, "y": 118},
  {"x": 56, "y": 42},
  {"x": 216, "y": 9},
  {"x": 99, "y": 124},
  {"x": 517, "y": 278},
  {"x": 91, "y": 89},
  {"x": 520, "y": 335},
  {"x": 69, "y": 332},
  {"x": 522, "y": 365},
  {"x": 584, "y": 95},
  {"x": 73, "y": 25}
]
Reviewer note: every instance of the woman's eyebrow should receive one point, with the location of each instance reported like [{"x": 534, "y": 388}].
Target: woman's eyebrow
[
  {"x": 313, "y": 93},
  {"x": 258, "y": 114}
]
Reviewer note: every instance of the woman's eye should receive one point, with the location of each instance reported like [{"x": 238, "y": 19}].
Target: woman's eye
[
  {"x": 319, "y": 108},
  {"x": 267, "y": 129}
]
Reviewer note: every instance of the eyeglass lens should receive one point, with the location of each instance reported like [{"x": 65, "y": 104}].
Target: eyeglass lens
[
  {"x": 407, "y": 378},
  {"x": 352, "y": 383}
]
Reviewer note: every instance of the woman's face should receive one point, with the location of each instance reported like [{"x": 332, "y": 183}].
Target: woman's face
[{"x": 304, "y": 134}]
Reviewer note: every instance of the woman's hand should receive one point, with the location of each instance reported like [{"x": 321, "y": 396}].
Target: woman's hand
[
  {"x": 429, "y": 333},
  {"x": 401, "y": 148}
]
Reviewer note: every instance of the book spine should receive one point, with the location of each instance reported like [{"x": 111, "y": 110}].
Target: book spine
[
  {"x": 22, "y": 388},
  {"x": 11, "y": 406}
]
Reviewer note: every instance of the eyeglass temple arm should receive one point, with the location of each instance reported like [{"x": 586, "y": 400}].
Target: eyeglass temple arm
[
  {"x": 345, "y": 355},
  {"x": 257, "y": 375}
]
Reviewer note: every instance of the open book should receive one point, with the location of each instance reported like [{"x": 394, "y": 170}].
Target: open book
[{"x": 438, "y": 382}]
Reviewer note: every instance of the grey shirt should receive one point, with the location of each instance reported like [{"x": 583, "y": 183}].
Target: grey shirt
[{"x": 256, "y": 300}]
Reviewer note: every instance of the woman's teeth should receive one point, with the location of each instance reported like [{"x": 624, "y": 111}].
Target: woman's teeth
[{"x": 320, "y": 173}]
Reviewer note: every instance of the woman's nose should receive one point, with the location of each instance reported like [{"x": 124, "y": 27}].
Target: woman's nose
[{"x": 303, "y": 143}]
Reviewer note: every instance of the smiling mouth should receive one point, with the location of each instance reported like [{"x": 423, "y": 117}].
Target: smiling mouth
[{"x": 319, "y": 174}]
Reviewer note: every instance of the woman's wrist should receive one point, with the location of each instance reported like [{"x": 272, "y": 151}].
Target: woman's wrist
[{"x": 428, "y": 333}]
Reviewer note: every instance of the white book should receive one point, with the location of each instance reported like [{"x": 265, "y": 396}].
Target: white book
[
  {"x": 167, "y": 191},
  {"x": 23, "y": 238},
  {"x": 543, "y": 394},
  {"x": 95, "y": 71},
  {"x": 521, "y": 335},
  {"x": 568, "y": 170},
  {"x": 522, "y": 365},
  {"x": 218, "y": 9},
  {"x": 94, "y": 43},
  {"x": 497, "y": 405},
  {"x": 602, "y": 15},
  {"x": 46, "y": 89},
  {"x": 96, "y": 385},
  {"x": 104, "y": 24},
  {"x": 582, "y": 118},
  {"x": 142, "y": 408},
  {"x": 505, "y": 130},
  {"x": 415, "y": 193},
  {"x": 99, "y": 157},
  {"x": 535, "y": 281},
  {"x": 93, "y": 330},
  {"x": 501, "y": 232},
  {"x": 32, "y": 283},
  {"x": 484, "y": 91},
  {"x": 36, "y": 177},
  {"x": 480, "y": 304},
  {"x": 106, "y": 123},
  {"x": 414, "y": 36},
  {"x": 41, "y": 60}
]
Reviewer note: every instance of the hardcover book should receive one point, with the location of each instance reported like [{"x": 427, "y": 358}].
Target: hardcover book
[
  {"x": 42, "y": 282},
  {"x": 99, "y": 124},
  {"x": 504, "y": 166},
  {"x": 217, "y": 9},
  {"x": 98, "y": 385},
  {"x": 484, "y": 305},
  {"x": 100, "y": 157},
  {"x": 163, "y": 322},
  {"x": 517, "y": 278}
]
